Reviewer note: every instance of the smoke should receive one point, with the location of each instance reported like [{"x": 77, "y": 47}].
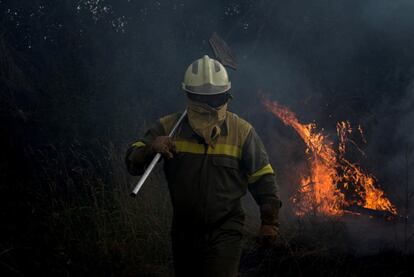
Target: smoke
[
  {"x": 326, "y": 60},
  {"x": 331, "y": 61}
]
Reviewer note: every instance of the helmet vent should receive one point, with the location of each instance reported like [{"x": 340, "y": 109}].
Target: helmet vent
[
  {"x": 194, "y": 67},
  {"x": 216, "y": 66}
]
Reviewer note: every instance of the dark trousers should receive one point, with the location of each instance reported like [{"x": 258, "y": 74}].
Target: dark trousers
[{"x": 207, "y": 253}]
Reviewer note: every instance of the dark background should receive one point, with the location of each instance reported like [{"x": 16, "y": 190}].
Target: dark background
[{"x": 81, "y": 80}]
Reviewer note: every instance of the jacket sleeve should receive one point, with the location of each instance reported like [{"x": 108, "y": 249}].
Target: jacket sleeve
[
  {"x": 261, "y": 178},
  {"x": 139, "y": 155}
]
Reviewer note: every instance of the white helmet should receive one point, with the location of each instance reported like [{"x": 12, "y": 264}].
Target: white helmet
[{"x": 206, "y": 76}]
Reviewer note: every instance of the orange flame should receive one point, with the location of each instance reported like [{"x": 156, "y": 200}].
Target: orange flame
[{"x": 319, "y": 192}]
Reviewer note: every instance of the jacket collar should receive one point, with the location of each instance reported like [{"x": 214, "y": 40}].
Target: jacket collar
[{"x": 186, "y": 131}]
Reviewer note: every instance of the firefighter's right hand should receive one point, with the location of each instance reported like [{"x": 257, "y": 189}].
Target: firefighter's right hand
[{"x": 163, "y": 145}]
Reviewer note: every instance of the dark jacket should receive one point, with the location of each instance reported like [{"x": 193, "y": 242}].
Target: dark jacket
[{"x": 206, "y": 184}]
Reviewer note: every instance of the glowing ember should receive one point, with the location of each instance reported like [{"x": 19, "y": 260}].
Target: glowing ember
[{"x": 319, "y": 192}]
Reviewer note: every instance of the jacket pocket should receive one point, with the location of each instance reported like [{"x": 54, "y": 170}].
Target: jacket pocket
[
  {"x": 227, "y": 180},
  {"x": 225, "y": 162}
]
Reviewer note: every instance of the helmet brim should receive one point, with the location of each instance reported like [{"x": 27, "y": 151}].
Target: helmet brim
[{"x": 206, "y": 89}]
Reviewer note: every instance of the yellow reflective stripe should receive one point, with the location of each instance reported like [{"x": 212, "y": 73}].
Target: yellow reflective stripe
[
  {"x": 267, "y": 169},
  {"x": 219, "y": 149},
  {"x": 225, "y": 149},
  {"x": 189, "y": 147},
  {"x": 138, "y": 144}
]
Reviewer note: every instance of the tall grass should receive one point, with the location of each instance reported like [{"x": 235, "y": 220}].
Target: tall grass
[{"x": 98, "y": 227}]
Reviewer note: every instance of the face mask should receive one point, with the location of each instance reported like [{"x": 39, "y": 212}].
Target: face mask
[{"x": 206, "y": 120}]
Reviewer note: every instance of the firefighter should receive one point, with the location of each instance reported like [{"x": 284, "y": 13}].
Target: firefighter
[{"x": 213, "y": 159}]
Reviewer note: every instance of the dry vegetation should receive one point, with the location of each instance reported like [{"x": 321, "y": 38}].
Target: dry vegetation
[{"x": 65, "y": 208}]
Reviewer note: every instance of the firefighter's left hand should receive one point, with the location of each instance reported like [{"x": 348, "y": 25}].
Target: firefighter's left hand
[{"x": 268, "y": 235}]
